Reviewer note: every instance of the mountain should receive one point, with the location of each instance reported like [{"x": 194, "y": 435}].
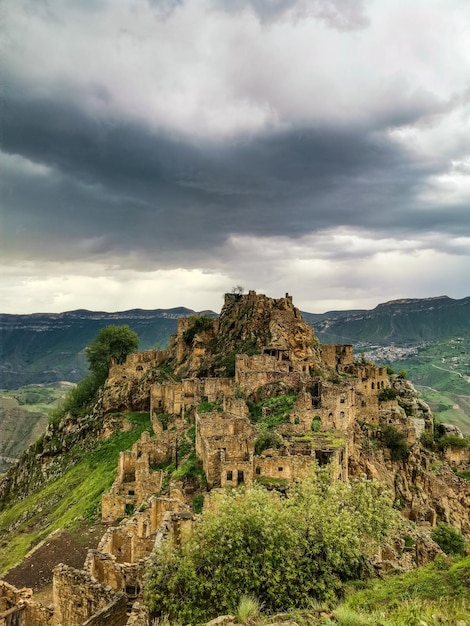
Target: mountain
[
  {"x": 48, "y": 347},
  {"x": 402, "y": 322}
]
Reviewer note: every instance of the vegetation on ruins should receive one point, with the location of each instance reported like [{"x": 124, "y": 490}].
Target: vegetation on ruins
[
  {"x": 198, "y": 324},
  {"x": 284, "y": 551},
  {"x": 389, "y": 393},
  {"x": 272, "y": 411}
]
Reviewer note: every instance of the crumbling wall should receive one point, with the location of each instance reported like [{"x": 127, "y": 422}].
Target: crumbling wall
[
  {"x": 367, "y": 408},
  {"x": 337, "y": 356},
  {"x": 337, "y": 409},
  {"x": 113, "y": 614},
  {"x": 77, "y": 596},
  {"x": 18, "y": 608},
  {"x": 273, "y": 466},
  {"x": 223, "y": 437}
]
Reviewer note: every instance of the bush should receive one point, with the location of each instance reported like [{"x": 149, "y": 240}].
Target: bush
[
  {"x": 449, "y": 539},
  {"x": 395, "y": 441},
  {"x": 452, "y": 441},
  {"x": 285, "y": 551},
  {"x": 198, "y": 324},
  {"x": 427, "y": 440},
  {"x": 316, "y": 424},
  {"x": 265, "y": 440},
  {"x": 389, "y": 393}
]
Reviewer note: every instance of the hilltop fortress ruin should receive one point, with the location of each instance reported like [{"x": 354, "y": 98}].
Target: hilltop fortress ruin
[{"x": 251, "y": 396}]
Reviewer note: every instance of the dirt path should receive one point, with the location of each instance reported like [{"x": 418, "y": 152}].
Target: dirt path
[{"x": 63, "y": 546}]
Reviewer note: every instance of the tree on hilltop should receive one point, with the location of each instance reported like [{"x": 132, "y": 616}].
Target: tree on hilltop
[{"x": 112, "y": 342}]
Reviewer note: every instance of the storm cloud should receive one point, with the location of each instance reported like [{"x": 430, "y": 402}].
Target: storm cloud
[{"x": 167, "y": 150}]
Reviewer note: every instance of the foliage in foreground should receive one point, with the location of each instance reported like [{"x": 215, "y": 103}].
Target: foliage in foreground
[{"x": 282, "y": 551}]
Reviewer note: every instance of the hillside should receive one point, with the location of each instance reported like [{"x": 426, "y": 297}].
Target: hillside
[{"x": 251, "y": 398}]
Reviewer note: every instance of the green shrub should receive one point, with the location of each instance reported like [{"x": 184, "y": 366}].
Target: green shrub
[
  {"x": 406, "y": 406},
  {"x": 316, "y": 423},
  {"x": 198, "y": 503},
  {"x": 395, "y": 441},
  {"x": 267, "y": 439},
  {"x": 284, "y": 550},
  {"x": 427, "y": 440},
  {"x": 449, "y": 539},
  {"x": 452, "y": 441},
  {"x": 389, "y": 393}
]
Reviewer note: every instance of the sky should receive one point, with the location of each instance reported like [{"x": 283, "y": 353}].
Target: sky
[{"x": 158, "y": 153}]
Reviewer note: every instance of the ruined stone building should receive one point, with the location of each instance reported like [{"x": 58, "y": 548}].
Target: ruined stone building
[{"x": 212, "y": 373}]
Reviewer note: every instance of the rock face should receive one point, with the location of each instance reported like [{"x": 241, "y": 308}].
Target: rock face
[{"x": 248, "y": 324}]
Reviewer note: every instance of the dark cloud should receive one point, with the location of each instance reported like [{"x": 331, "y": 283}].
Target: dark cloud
[{"x": 124, "y": 185}]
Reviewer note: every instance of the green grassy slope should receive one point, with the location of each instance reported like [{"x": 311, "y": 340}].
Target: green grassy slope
[
  {"x": 24, "y": 416},
  {"x": 435, "y": 594},
  {"x": 75, "y": 496},
  {"x": 441, "y": 372}
]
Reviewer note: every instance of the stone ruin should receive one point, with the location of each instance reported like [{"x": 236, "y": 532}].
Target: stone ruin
[{"x": 108, "y": 588}]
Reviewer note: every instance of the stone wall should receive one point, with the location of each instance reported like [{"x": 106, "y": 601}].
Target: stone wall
[
  {"x": 17, "y": 607},
  {"x": 337, "y": 356},
  {"x": 337, "y": 405},
  {"x": 223, "y": 438},
  {"x": 135, "y": 480},
  {"x": 113, "y": 614},
  {"x": 77, "y": 596}
]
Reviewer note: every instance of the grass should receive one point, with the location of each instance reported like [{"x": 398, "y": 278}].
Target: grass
[
  {"x": 272, "y": 411},
  {"x": 248, "y": 610},
  {"x": 74, "y": 496},
  {"x": 441, "y": 587}
]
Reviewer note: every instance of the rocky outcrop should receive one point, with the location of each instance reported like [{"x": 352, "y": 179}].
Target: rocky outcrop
[{"x": 425, "y": 488}]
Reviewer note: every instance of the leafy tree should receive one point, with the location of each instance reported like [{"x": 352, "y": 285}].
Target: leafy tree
[
  {"x": 283, "y": 551},
  {"x": 112, "y": 342}
]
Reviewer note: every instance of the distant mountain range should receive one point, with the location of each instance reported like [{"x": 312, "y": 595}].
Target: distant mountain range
[
  {"x": 402, "y": 322},
  {"x": 48, "y": 347}
]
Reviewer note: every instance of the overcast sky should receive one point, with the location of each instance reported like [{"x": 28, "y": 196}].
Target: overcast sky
[{"x": 156, "y": 153}]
